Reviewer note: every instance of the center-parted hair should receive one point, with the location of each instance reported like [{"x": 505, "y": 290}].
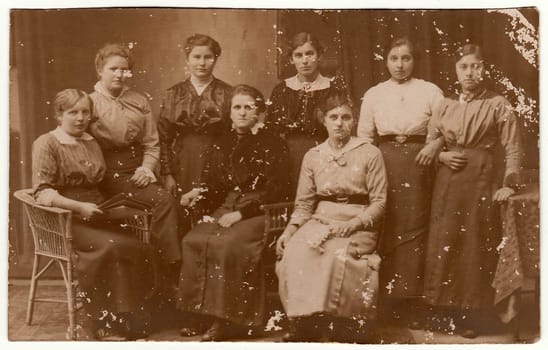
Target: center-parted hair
[
  {"x": 402, "y": 41},
  {"x": 202, "y": 40},
  {"x": 302, "y": 38},
  {"x": 110, "y": 50},
  {"x": 336, "y": 99},
  {"x": 66, "y": 99},
  {"x": 252, "y": 92}
]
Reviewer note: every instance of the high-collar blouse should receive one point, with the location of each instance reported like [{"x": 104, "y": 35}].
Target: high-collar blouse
[
  {"x": 120, "y": 121},
  {"x": 479, "y": 121},
  {"x": 391, "y": 108}
]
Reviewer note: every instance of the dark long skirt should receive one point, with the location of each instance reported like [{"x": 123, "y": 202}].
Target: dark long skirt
[
  {"x": 406, "y": 223},
  {"x": 115, "y": 271},
  {"x": 464, "y": 232},
  {"x": 121, "y": 165},
  {"x": 222, "y": 275},
  {"x": 189, "y": 159},
  {"x": 298, "y": 145}
]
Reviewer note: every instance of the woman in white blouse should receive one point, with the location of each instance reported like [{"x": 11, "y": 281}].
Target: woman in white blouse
[{"x": 395, "y": 114}]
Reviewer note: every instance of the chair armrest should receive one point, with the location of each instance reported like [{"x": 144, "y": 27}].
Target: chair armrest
[
  {"x": 25, "y": 196},
  {"x": 275, "y": 206}
]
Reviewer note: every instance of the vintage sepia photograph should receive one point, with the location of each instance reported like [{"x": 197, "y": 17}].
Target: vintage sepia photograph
[{"x": 273, "y": 175}]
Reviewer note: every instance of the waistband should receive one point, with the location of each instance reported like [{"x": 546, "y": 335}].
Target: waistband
[
  {"x": 346, "y": 199},
  {"x": 123, "y": 159},
  {"x": 403, "y": 138}
]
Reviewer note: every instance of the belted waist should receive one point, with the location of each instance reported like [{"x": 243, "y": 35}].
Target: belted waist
[
  {"x": 346, "y": 199},
  {"x": 403, "y": 138}
]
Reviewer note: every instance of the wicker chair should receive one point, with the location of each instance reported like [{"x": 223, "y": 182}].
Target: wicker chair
[
  {"x": 276, "y": 216},
  {"x": 52, "y": 233}
]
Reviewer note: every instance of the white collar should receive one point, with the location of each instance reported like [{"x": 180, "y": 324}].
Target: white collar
[
  {"x": 100, "y": 88},
  {"x": 350, "y": 145},
  {"x": 320, "y": 83},
  {"x": 66, "y": 139}
]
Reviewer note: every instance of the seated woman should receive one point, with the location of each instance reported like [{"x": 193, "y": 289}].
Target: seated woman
[
  {"x": 221, "y": 275},
  {"x": 115, "y": 270},
  {"x": 328, "y": 268}
]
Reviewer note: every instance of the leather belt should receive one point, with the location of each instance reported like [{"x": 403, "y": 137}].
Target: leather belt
[
  {"x": 403, "y": 138},
  {"x": 346, "y": 199}
]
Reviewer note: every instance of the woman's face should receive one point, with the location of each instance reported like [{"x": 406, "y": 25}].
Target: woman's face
[
  {"x": 400, "y": 63},
  {"x": 114, "y": 73},
  {"x": 306, "y": 60},
  {"x": 201, "y": 61},
  {"x": 339, "y": 123},
  {"x": 74, "y": 121},
  {"x": 243, "y": 113},
  {"x": 469, "y": 72}
]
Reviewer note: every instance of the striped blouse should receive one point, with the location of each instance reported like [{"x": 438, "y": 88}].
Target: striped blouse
[{"x": 61, "y": 161}]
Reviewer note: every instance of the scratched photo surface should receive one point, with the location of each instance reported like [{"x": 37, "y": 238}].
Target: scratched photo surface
[{"x": 363, "y": 176}]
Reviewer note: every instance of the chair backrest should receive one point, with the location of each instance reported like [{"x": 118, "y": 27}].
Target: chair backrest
[
  {"x": 50, "y": 227},
  {"x": 140, "y": 226}
]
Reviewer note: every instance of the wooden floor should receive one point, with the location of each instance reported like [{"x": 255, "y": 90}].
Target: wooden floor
[{"x": 51, "y": 321}]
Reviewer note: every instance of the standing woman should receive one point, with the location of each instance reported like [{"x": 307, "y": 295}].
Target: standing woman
[
  {"x": 395, "y": 114},
  {"x": 461, "y": 253},
  {"x": 123, "y": 125},
  {"x": 193, "y": 114},
  {"x": 293, "y": 112}
]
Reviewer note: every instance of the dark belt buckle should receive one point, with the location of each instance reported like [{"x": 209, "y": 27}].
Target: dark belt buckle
[
  {"x": 401, "y": 138},
  {"x": 342, "y": 199}
]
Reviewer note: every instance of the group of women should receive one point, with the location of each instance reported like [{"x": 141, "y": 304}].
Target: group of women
[{"x": 398, "y": 182}]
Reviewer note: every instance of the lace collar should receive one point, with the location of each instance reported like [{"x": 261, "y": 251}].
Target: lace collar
[{"x": 320, "y": 83}]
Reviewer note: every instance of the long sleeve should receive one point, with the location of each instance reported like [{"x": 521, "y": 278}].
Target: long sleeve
[
  {"x": 433, "y": 129},
  {"x": 214, "y": 178},
  {"x": 45, "y": 171},
  {"x": 167, "y": 133},
  {"x": 276, "y": 184},
  {"x": 366, "y": 123},
  {"x": 150, "y": 140},
  {"x": 305, "y": 198},
  {"x": 278, "y": 110},
  {"x": 377, "y": 189},
  {"x": 510, "y": 140}
]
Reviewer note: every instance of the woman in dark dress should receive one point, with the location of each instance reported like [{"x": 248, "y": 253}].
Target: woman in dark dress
[
  {"x": 293, "y": 112},
  {"x": 222, "y": 277},
  {"x": 115, "y": 270},
  {"x": 464, "y": 232},
  {"x": 193, "y": 114}
]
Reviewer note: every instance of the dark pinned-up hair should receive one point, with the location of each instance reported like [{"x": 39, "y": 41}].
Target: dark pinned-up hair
[
  {"x": 202, "y": 40},
  {"x": 110, "y": 50},
  {"x": 468, "y": 49},
  {"x": 252, "y": 92},
  {"x": 302, "y": 38},
  {"x": 66, "y": 99},
  {"x": 336, "y": 99},
  {"x": 402, "y": 41}
]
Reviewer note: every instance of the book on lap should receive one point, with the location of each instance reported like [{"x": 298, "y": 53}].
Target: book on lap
[{"x": 122, "y": 206}]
